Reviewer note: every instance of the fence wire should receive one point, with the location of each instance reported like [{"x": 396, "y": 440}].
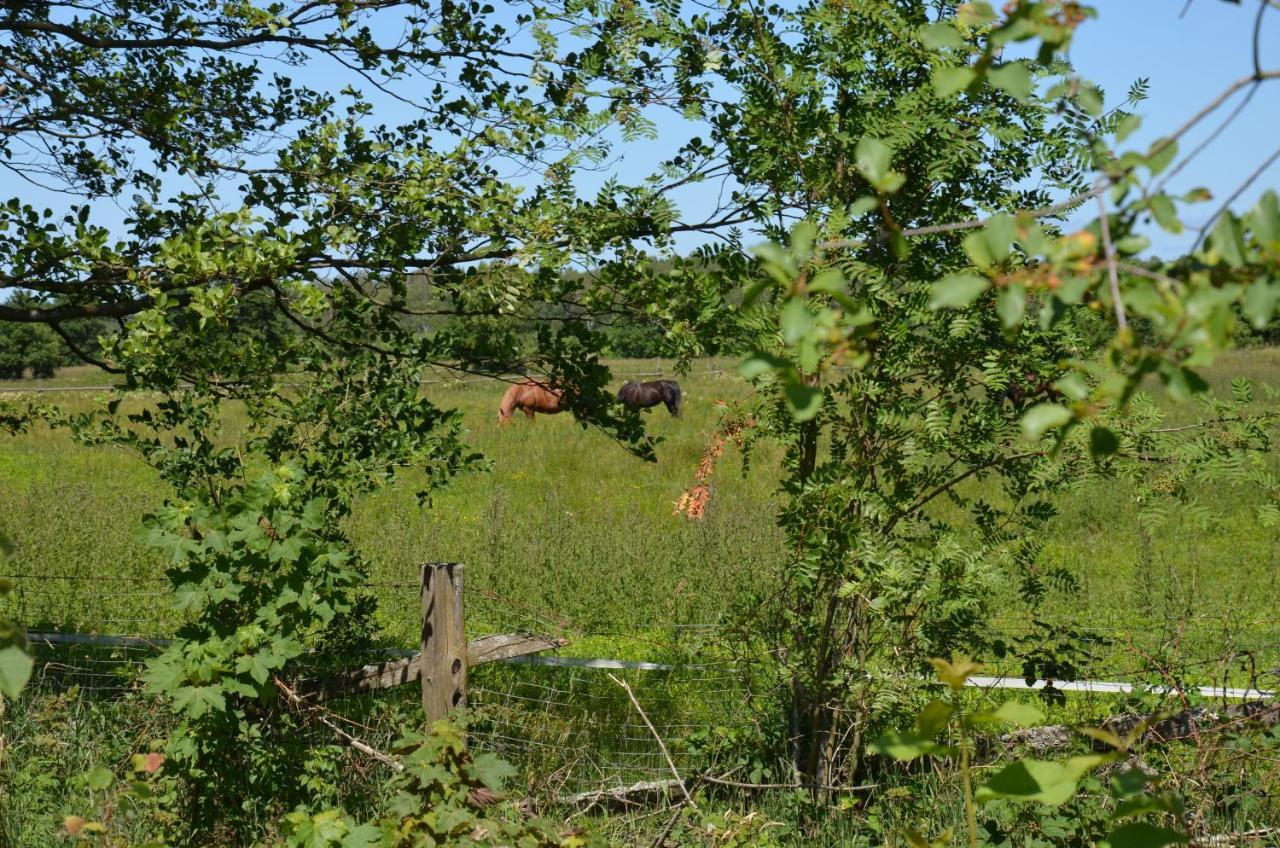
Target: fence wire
[{"x": 571, "y": 727}]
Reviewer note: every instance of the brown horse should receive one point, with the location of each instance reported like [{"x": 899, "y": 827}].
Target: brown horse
[
  {"x": 530, "y": 396},
  {"x": 644, "y": 395}
]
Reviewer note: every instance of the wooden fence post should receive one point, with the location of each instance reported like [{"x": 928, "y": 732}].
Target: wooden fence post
[{"x": 444, "y": 642}]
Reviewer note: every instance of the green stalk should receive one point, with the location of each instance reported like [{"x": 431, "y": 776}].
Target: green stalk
[{"x": 966, "y": 778}]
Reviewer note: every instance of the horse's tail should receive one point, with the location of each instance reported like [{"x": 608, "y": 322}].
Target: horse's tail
[
  {"x": 671, "y": 397},
  {"x": 508, "y": 404}
]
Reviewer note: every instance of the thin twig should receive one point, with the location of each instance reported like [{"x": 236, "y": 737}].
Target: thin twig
[
  {"x": 1139, "y": 271},
  {"x": 1109, "y": 250},
  {"x": 1235, "y": 195},
  {"x": 662, "y": 745},
  {"x": 1209, "y": 139},
  {"x": 353, "y": 741},
  {"x": 737, "y": 784},
  {"x": 671, "y": 822}
]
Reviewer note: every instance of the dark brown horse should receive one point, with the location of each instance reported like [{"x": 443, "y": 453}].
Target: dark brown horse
[
  {"x": 644, "y": 395},
  {"x": 530, "y": 396}
]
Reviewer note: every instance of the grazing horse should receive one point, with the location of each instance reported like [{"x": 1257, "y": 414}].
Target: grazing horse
[
  {"x": 643, "y": 395},
  {"x": 529, "y": 396}
]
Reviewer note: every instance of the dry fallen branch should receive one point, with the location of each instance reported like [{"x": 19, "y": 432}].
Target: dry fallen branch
[
  {"x": 1256, "y": 835},
  {"x": 322, "y": 715},
  {"x": 1186, "y": 724},
  {"x": 662, "y": 745},
  {"x": 620, "y": 795}
]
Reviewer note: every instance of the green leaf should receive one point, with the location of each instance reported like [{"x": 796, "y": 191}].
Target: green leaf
[
  {"x": 1039, "y": 780},
  {"x": 1011, "y": 304},
  {"x": 933, "y": 719},
  {"x": 803, "y": 401},
  {"x": 795, "y": 320},
  {"x": 1260, "y": 302},
  {"x": 1102, "y": 442},
  {"x": 830, "y": 281},
  {"x": 956, "y": 291},
  {"x": 1044, "y": 417},
  {"x": 1132, "y": 244},
  {"x": 1228, "y": 240},
  {"x": 863, "y": 205},
  {"x": 978, "y": 248},
  {"x": 872, "y": 158},
  {"x": 1143, "y": 835},
  {"x": 1011, "y": 712},
  {"x": 492, "y": 770},
  {"x": 1264, "y": 221},
  {"x": 257, "y": 667},
  {"x": 1013, "y": 77},
  {"x": 905, "y": 746},
  {"x": 975, "y": 14},
  {"x": 1126, "y": 126},
  {"x": 954, "y": 672},
  {"x": 941, "y": 36},
  {"x": 1090, "y": 99},
  {"x": 1166, "y": 214},
  {"x": 949, "y": 81},
  {"x": 760, "y": 363},
  {"x": 999, "y": 233},
  {"x": 1139, "y": 805},
  {"x": 363, "y": 836},
  {"x": 99, "y": 778},
  {"x": 802, "y": 236},
  {"x": 1161, "y": 154},
  {"x": 15, "y": 670},
  {"x": 777, "y": 263},
  {"x": 752, "y": 292}
]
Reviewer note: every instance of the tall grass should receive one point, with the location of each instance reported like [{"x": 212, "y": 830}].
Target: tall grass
[
  {"x": 569, "y": 534},
  {"x": 568, "y": 524}
]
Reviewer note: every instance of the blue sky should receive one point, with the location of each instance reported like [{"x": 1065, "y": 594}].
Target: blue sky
[{"x": 1187, "y": 59}]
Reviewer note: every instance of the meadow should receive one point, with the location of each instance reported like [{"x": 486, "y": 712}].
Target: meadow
[
  {"x": 568, "y": 534},
  {"x": 567, "y": 525}
]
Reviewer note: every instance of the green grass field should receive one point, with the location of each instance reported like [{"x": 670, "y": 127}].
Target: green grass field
[
  {"x": 568, "y": 527},
  {"x": 569, "y": 534}
]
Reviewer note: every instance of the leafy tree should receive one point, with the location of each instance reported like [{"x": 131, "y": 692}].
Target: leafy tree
[
  {"x": 884, "y": 405},
  {"x": 35, "y": 347},
  {"x": 925, "y": 329},
  {"x": 255, "y": 199},
  {"x": 918, "y": 333}
]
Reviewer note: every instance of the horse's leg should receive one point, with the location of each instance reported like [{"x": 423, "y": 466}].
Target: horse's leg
[{"x": 529, "y": 413}]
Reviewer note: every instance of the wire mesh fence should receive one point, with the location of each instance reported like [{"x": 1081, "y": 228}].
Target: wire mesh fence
[{"x": 564, "y": 716}]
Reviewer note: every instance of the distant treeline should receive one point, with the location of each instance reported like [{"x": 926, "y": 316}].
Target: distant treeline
[{"x": 462, "y": 308}]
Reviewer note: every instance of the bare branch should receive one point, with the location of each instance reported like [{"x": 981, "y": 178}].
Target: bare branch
[
  {"x": 1109, "y": 250},
  {"x": 662, "y": 745}
]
